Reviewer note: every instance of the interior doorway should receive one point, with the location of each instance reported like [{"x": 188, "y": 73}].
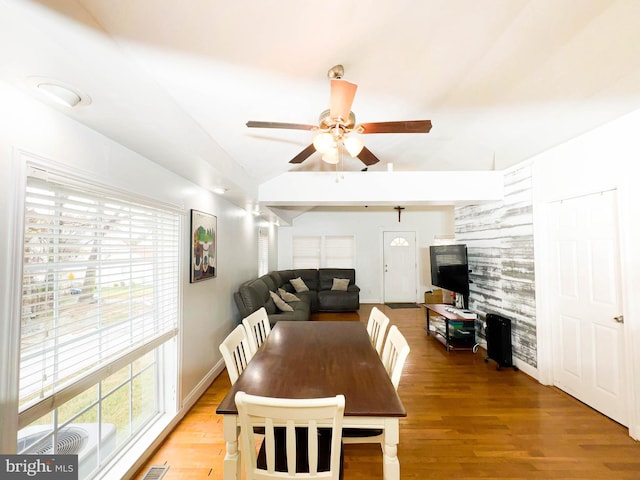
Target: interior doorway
[
  {"x": 399, "y": 267},
  {"x": 587, "y": 326}
]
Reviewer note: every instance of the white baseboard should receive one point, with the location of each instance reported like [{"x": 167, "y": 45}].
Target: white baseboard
[
  {"x": 526, "y": 368},
  {"x": 191, "y": 399},
  {"x": 370, "y": 300},
  {"x": 522, "y": 366}
]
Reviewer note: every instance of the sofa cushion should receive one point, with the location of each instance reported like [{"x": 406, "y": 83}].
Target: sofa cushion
[
  {"x": 269, "y": 282},
  {"x": 285, "y": 276},
  {"x": 338, "y": 301},
  {"x": 299, "y": 285},
  {"x": 280, "y": 303},
  {"x": 242, "y": 308},
  {"x": 310, "y": 298},
  {"x": 326, "y": 276},
  {"x": 300, "y": 313},
  {"x": 270, "y": 306},
  {"x": 309, "y": 276},
  {"x": 255, "y": 294},
  {"x": 340, "y": 284},
  {"x": 277, "y": 279},
  {"x": 287, "y": 296}
]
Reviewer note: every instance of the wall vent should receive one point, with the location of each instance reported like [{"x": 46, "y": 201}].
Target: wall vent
[{"x": 155, "y": 472}]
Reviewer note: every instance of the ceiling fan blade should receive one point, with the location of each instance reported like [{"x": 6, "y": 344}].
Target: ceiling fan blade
[
  {"x": 367, "y": 157},
  {"x": 410, "y": 126},
  {"x": 291, "y": 126},
  {"x": 303, "y": 155},
  {"x": 342, "y": 95}
]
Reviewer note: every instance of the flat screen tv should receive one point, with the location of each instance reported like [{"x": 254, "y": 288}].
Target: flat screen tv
[{"x": 449, "y": 269}]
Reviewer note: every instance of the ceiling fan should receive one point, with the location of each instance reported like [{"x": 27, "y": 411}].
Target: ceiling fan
[{"x": 338, "y": 122}]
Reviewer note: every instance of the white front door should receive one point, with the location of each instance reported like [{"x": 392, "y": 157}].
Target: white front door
[
  {"x": 588, "y": 343},
  {"x": 399, "y": 266}
]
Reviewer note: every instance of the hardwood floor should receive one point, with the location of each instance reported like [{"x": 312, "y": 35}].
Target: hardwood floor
[{"x": 466, "y": 420}]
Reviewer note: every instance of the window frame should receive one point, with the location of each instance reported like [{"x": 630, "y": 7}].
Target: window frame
[{"x": 164, "y": 345}]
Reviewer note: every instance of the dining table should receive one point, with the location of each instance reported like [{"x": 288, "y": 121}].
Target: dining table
[{"x": 313, "y": 359}]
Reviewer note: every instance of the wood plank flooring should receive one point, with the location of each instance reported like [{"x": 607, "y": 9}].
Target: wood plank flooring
[{"x": 466, "y": 420}]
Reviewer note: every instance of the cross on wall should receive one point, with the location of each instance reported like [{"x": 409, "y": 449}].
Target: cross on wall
[{"x": 399, "y": 208}]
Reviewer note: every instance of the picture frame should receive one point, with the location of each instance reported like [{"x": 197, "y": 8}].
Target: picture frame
[{"x": 204, "y": 249}]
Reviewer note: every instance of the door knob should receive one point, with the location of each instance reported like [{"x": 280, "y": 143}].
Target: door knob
[{"x": 619, "y": 318}]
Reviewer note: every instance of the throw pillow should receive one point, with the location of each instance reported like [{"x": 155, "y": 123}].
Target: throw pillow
[
  {"x": 281, "y": 304},
  {"x": 287, "y": 296},
  {"x": 340, "y": 284},
  {"x": 299, "y": 285}
]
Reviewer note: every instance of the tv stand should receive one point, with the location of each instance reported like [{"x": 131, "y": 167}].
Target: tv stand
[{"x": 458, "y": 331}]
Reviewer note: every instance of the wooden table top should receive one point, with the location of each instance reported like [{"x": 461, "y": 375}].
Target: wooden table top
[{"x": 319, "y": 359}]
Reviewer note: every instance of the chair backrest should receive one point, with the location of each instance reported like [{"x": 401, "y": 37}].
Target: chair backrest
[
  {"x": 293, "y": 422},
  {"x": 258, "y": 328},
  {"x": 377, "y": 327},
  {"x": 236, "y": 352},
  {"x": 396, "y": 350}
]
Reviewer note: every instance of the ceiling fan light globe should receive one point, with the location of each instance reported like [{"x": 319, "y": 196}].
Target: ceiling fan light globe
[
  {"x": 331, "y": 156},
  {"x": 323, "y": 142},
  {"x": 353, "y": 145}
]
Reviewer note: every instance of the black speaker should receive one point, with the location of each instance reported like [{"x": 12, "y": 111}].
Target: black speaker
[{"x": 498, "y": 334}]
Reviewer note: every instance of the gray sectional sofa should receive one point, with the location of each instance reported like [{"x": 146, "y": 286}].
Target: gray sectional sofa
[{"x": 322, "y": 296}]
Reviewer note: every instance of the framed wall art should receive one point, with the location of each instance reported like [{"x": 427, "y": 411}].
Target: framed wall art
[{"x": 204, "y": 252}]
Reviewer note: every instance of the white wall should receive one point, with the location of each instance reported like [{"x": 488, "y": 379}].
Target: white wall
[
  {"x": 368, "y": 225},
  {"x": 29, "y": 128},
  {"x": 603, "y": 159}
]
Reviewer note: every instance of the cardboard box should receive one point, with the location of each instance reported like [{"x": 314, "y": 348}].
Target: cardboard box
[{"x": 433, "y": 296}]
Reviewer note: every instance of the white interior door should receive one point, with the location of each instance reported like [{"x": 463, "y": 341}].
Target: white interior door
[
  {"x": 399, "y": 267},
  {"x": 588, "y": 343}
]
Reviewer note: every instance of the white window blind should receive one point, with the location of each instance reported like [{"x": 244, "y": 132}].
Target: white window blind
[
  {"x": 340, "y": 251},
  {"x": 335, "y": 251},
  {"x": 306, "y": 252},
  {"x": 100, "y": 286},
  {"x": 263, "y": 252}
]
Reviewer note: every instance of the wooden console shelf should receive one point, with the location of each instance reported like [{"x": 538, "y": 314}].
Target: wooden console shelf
[{"x": 456, "y": 332}]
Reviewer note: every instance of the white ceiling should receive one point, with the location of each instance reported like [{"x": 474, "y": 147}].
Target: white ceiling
[{"x": 176, "y": 81}]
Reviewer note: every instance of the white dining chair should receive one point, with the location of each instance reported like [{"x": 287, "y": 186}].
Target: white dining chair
[
  {"x": 258, "y": 328},
  {"x": 293, "y": 445},
  {"x": 376, "y": 328},
  {"x": 395, "y": 353},
  {"x": 236, "y": 352}
]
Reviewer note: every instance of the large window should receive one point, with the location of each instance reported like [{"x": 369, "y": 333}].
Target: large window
[
  {"x": 101, "y": 276},
  {"x": 339, "y": 251},
  {"x": 334, "y": 251}
]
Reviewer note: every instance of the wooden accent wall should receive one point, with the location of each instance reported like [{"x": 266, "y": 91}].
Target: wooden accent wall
[{"x": 499, "y": 239}]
